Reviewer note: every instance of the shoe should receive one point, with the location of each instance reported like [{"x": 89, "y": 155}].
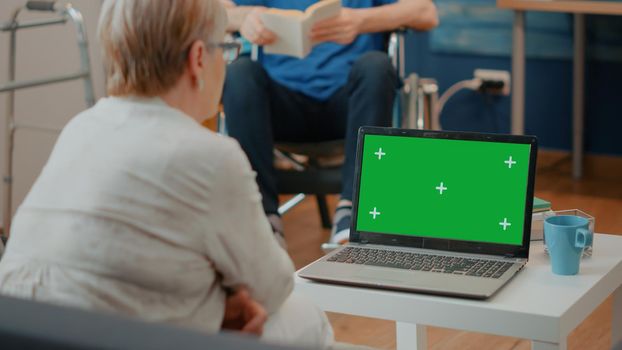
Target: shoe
[{"x": 340, "y": 233}]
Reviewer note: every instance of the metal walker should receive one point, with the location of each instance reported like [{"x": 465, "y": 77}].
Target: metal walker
[{"x": 62, "y": 15}]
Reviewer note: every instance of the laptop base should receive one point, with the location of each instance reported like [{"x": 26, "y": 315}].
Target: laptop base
[{"x": 426, "y": 282}]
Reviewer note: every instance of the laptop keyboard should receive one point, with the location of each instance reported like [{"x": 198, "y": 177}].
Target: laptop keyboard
[{"x": 422, "y": 262}]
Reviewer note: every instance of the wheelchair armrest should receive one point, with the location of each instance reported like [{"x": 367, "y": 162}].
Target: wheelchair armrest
[{"x": 254, "y": 52}]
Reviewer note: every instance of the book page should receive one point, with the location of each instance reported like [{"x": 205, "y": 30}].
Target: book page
[
  {"x": 293, "y": 27},
  {"x": 323, "y": 10},
  {"x": 289, "y": 32},
  {"x": 293, "y": 13},
  {"x": 318, "y": 12}
]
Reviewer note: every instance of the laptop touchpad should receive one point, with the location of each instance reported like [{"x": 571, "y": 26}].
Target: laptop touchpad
[{"x": 380, "y": 274}]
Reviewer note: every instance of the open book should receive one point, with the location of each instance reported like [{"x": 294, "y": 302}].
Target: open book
[{"x": 293, "y": 27}]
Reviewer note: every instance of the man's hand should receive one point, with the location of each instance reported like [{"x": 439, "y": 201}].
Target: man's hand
[
  {"x": 254, "y": 30},
  {"x": 244, "y": 314},
  {"x": 341, "y": 29}
]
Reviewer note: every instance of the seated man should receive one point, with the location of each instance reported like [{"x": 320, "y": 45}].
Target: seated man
[{"x": 344, "y": 83}]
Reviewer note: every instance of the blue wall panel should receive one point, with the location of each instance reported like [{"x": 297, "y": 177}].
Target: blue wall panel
[{"x": 473, "y": 34}]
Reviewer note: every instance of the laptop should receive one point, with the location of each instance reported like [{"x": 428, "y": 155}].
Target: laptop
[{"x": 434, "y": 212}]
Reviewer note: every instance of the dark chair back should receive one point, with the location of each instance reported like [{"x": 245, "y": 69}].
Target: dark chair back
[{"x": 31, "y": 325}]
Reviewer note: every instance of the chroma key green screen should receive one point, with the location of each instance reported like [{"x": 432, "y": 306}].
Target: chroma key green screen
[{"x": 439, "y": 188}]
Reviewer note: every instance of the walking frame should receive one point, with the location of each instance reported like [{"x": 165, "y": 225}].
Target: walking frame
[{"x": 62, "y": 14}]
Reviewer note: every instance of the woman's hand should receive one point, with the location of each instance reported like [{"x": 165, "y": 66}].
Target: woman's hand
[
  {"x": 244, "y": 314},
  {"x": 341, "y": 29},
  {"x": 254, "y": 30}
]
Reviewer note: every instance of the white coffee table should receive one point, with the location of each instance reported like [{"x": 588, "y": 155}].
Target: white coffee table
[{"x": 535, "y": 305}]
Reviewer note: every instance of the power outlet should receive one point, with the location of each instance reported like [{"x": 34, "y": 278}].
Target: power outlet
[{"x": 494, "y": 81}]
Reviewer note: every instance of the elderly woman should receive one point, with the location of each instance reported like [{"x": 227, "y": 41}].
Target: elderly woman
[{"x": 140, "y": 210}]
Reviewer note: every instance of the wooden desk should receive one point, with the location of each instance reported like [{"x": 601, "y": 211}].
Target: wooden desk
[
  {"x": 579, "y": 8},
  {"x": 535, "y": 305},
  {"x": 569, "y": 6}
]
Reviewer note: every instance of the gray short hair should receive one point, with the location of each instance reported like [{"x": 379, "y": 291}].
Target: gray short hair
[{"x": 145, "y": 42}]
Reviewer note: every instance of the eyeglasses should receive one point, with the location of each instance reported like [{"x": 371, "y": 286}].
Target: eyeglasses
[{"x": 230, "y": 50}]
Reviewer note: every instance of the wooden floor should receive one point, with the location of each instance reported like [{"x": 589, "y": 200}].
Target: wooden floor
[{"x": 598, "y": 193}]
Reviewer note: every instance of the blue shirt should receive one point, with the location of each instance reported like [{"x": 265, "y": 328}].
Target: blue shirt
[{"x": 326, "y": 68}]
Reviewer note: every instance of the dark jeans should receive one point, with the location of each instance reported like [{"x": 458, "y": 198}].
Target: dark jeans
[{"x": 260, "y": 111}]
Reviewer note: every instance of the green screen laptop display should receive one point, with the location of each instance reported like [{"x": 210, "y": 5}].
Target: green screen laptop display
[{"x": 439, "y": 188}]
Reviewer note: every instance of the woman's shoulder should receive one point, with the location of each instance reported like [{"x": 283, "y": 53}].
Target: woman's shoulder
[
  {"x": 205, "y": 147},
  {"x": 202, "y": 140}
]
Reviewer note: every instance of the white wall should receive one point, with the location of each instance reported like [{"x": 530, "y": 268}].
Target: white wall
[{"x": 43, "y": 52}]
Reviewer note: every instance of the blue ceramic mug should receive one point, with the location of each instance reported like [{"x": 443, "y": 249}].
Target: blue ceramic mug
[{"x": 566, "y": 236}]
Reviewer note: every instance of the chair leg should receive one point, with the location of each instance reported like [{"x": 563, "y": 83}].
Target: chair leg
[{"x": 323, "y": 208}]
